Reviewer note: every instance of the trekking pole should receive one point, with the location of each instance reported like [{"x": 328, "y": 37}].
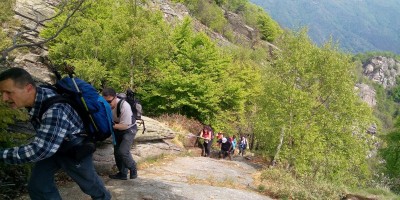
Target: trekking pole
[{"x": 83, "y": 101}]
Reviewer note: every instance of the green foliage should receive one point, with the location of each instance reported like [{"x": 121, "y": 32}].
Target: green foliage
[
  {"x": 390, "y": 153},
  {"x": 4, "y": 40},
  {"x": 208, "y": 13},
  {"x": 395, "y": 94},
  {"x": 309, "y": 101},
  {"x": 269, "y": 29},
  {"x": 6, "y": 13},
  {"x": 197, "y": 80},
  {"x": 115, "y": 43},
  {"x": 366, "y": 56},
  {"x": 9, "y": 116},
  {"x": 12, "y": 178},
  {"x": 6, "y": 10},
  {"x": 385, "y": 110},
  {"x": 172, "y": 70},
  {"x": 306, "y": 93},
  {"x": 303, "y": 93},
  {"x": 211, "y": 14},
  {"x": 236, "y": 6},
  {"x": 255, "y": 16},
  {"x": 220, "y": 2},
  {"x": 283, "y": 185}
]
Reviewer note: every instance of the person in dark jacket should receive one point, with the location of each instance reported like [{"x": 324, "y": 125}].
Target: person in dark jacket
[{"x": 226, "y": 147}]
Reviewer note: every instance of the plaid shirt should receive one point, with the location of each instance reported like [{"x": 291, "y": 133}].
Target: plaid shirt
[{"x": 58, "y": 121}]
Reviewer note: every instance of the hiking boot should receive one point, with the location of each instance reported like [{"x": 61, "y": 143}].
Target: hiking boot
[
  {"x": 133, "y": 174},
  {"x": 119, "y": 176}
]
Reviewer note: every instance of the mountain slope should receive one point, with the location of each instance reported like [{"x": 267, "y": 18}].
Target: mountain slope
[{"x": 359, "y": 25}]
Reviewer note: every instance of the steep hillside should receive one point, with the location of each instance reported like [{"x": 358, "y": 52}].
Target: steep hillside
[
  {"x": 209, "y": 61},
  {"x": 359, "y": 25}
]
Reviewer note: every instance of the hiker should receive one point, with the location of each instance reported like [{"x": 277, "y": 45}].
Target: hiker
[
  {"x": 220, "y": 135},
  {"x": 125, "y": 129},
  {"x": 206, "y": 134},
  {"x": 242, "y": 145},
  {"x": 226, "y": 147},
  {"x": 234, "y": 142},
  {"x": 56, "y": 141}
]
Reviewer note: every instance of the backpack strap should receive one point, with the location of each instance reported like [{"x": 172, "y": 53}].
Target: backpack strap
[
  {"x": 119, "y": 105},
  {"x": 46, "y": 104}
]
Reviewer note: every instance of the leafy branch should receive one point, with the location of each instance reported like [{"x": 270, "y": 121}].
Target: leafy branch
[{"x": 40, "y": 22}]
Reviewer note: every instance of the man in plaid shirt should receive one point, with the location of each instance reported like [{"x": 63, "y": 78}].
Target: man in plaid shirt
[{"x": 56, "y": 133}]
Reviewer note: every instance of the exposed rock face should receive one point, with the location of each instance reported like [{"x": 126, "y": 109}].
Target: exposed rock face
[
  {"x": 175, "y": 12},
  {"x": 382, "y": 70},
  {"x": 104, "y": 161},
  {"x": 172, "y": 12},
  {"x": 29, "y": 13},
  {"x": 154, "y": 131},
  {"x": 155, "y": 141},
  {"x": 367, "y": 94},
  {"x": 244, "y": 34}
]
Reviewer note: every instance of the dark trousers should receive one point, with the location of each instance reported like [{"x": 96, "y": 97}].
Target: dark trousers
[
  {"x": 42, "y": 185},
  {"x": 223, "y": 154},
  {"x": 242, "y": 148},
  {"x": 207, "y": 148},
  {"x": 122, "y": 150}
]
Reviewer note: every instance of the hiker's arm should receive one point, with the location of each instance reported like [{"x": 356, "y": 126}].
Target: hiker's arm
[
  {"x": 121, "y": 126},
  {"x": 49, "y": 136},
  {"x": 201, "y": 135}
]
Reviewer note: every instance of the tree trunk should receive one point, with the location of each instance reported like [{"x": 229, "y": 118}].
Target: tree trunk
[
  {"x": 131, "y": 74},
  {"x": 278, "y": 149}
]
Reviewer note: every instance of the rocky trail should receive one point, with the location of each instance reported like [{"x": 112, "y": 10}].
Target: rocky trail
[{"x": 179, "y": 178}]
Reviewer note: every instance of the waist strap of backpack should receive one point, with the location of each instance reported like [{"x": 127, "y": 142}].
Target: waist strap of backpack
[{"x": 72, "y": 141}]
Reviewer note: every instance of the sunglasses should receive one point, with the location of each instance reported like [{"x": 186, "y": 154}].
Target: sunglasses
[{"x": 109, "y": 101}]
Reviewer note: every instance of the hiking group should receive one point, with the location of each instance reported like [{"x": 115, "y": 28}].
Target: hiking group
[
  {"x": 66, "y": 131},
  {"x": 68, "y": 118},
  {"x": 227, "y": 145}
]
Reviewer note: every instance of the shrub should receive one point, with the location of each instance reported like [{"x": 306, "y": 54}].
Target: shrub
[
  {"x": 283, "y": 185},
  {"x": 181, "y": 123}
]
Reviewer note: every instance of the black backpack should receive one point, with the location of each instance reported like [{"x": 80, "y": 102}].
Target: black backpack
[{"x": 136, "y": 107}]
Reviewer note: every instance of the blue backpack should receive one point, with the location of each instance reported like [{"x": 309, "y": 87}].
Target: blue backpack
[{"x": 93, "y": 109}]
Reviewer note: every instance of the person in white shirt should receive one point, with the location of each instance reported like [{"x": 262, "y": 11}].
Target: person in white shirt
[{"x": 125, "y": 131}]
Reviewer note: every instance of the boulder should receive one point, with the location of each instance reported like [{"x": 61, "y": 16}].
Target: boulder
[
  {"x": 367, "y": 94},
  {"x": 154, "y": 131},
  {"x": 154, "y": 142},
  {"x": 382, "y": 70}
]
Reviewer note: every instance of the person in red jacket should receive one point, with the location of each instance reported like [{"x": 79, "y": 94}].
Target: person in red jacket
[{"x": 206, "y": 134}]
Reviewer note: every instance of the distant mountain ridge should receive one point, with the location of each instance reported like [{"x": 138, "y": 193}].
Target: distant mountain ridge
[{"x": 359, "y": 25}]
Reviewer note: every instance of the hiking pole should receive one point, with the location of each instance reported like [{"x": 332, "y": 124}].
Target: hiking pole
[{"x": 83, "y": 101}]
